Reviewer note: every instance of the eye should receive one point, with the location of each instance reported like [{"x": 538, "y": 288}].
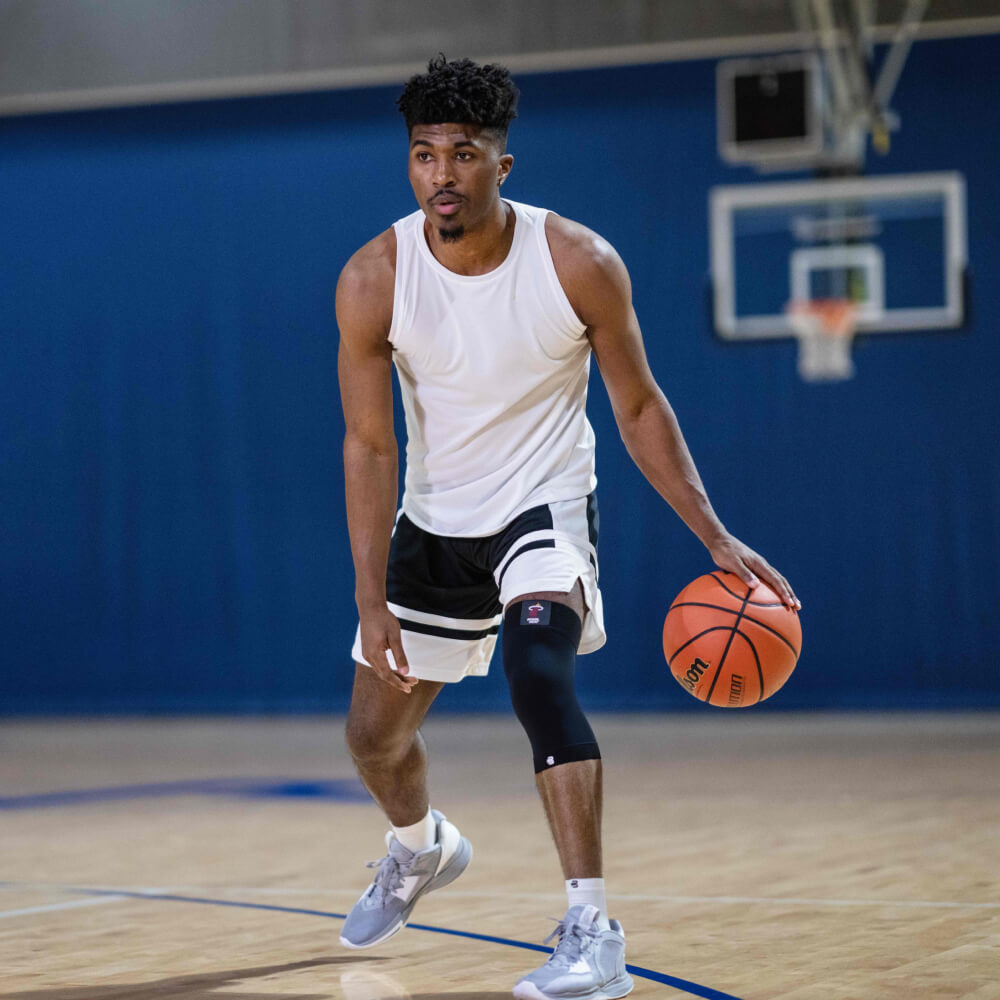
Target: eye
[
  {"x": 423, "y": 156},
  {"x": 464, "y": 155}
]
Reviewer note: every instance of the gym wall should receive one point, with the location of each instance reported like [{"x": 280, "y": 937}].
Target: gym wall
[{"x": 172, "y": 494}]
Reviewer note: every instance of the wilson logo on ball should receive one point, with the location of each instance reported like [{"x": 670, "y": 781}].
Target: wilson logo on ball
[
  {"x": 694, "y": 673},
  {"x": 735, "y": 690}
]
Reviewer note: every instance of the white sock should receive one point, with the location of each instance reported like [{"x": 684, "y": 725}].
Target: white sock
[
  {"x": 418, "y": 837},
  {"x": 583, "y": 891}
]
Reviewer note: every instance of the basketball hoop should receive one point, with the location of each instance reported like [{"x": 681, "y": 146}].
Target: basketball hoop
[{"x": 825, "y": 330}]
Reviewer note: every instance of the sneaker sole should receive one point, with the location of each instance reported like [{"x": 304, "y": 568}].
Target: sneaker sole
[
  {"x": 610, "y": 991},
  {"x": 394, "y": 929},
  {"x": 457, "y": 864}
]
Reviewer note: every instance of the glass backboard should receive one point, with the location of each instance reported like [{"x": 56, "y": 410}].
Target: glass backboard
[{"x": 895, "y": 246}]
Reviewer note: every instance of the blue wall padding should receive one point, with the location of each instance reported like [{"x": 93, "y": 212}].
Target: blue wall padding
[{"x": 172, "y": 495}]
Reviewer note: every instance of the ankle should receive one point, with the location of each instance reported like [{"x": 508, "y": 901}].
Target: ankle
[
  {"x": 418, "y": 836},
  {"x": 589, "y": 892}
]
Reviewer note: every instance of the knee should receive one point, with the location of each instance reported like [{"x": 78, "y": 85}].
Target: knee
[
  {"x": 539, "y": 658},
  {"x": 541, "y": 677},
  {"x": 370, "y": 741}
]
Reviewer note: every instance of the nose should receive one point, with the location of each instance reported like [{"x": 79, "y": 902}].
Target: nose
[{"x": 442, "y": 174}]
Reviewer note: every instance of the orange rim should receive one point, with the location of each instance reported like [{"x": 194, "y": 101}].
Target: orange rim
[{"x": 835, "y": 317}]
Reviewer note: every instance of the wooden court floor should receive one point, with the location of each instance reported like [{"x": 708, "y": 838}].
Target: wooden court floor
[{"x": 764, "y": 857}]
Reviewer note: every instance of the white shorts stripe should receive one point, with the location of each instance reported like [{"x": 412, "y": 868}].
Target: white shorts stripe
[
  {"x": 562, "y": 539},
  {"x": 470, "y": 624}
]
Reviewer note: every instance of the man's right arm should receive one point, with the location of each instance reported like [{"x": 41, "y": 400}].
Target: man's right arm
[{"x": 364, "y": 363}]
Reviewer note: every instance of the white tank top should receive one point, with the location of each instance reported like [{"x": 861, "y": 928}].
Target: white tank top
[{"x": 493, "y": 370}]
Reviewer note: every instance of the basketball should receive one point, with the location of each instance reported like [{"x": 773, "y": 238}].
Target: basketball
[{"x": 728, "y": 644}]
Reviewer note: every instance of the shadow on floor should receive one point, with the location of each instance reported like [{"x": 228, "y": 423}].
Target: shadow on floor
[{"x": 205, "y": 985}]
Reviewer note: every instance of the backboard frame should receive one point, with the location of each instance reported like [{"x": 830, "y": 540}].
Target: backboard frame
[{"x": 724, "y": 200}]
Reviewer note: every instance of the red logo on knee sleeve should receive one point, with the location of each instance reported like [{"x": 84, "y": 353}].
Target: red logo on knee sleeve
[{"x": 535, "y": 613}]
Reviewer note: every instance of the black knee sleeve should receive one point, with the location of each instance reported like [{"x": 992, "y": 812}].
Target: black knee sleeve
[{"x": 540, "y": 639}]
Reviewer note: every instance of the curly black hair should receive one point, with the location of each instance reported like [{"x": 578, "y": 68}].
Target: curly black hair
[{"x": 460, "y": 91}]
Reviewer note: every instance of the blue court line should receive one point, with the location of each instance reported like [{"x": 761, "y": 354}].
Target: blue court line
[
  {"x": 684, "y": 985},
  {"x": 336, "y": 790}
]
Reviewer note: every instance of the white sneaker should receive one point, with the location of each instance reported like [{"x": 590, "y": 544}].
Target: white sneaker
[
  {"x": 402, "y": 878},
  {"x": 587, "y": 964}
]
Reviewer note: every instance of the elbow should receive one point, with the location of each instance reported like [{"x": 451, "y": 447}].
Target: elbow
[
  {"x": 633, "y": 416},
  {"x": 629, "y": 425},
  {"x": 365, "y": 449}
]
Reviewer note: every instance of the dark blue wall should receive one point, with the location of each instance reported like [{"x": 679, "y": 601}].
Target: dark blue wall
[{"x": 173, "y": 533}]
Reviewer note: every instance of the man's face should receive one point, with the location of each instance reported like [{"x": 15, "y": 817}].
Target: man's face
[{"x": 455, "y": 171}]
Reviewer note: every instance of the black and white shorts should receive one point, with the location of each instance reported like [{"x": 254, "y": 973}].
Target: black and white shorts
[{"x": 449, "y": 593}]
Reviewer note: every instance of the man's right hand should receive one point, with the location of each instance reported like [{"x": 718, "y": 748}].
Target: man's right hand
[{"x": 380, "y": 633}]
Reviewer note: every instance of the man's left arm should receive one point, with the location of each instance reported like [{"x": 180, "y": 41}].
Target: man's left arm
[{"x": 597, "y": 284}]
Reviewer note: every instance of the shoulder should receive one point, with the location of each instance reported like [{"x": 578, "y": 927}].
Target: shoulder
[
  {"x": 365, "y": 286},
  {"x": 370, "y": 269},
  {"x": 588, "y": 266}
]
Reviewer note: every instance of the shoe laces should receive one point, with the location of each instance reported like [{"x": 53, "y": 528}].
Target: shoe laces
[
  {"x": 388, "y": 878},
  {"x": 574, "y": 940}
]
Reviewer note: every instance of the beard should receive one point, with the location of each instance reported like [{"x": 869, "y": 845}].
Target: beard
[{"x": 452, "y": 235}]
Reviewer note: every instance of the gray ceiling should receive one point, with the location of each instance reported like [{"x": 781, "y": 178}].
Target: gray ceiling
[{"x": 57, "y": 54}]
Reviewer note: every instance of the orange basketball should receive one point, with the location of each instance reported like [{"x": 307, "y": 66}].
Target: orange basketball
[{"x": 729, "y": 645}]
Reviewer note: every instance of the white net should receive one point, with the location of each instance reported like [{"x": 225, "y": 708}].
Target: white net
[{"x": 825, "y": 330}]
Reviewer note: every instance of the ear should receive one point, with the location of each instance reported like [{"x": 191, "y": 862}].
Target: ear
[{"x": 504, "y": 168}]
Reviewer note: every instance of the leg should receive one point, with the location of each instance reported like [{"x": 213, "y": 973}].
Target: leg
[
  {"x": 383, "y": 736},
  {"x": 589, "y": 960},
  {"x": 571, "y": 792},
  {"x": 572, "y": 795}
]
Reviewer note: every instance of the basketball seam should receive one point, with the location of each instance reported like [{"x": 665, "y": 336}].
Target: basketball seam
[
  {"x": 732, "y": 635},
  {"x": 756, "y": 658},
  {"x": 756, "y": 604},
  {"x": 681, "y": 648},
  {"x": 749, "y": 618}
]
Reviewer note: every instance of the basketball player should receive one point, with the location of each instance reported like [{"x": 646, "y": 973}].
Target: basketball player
[{"x": 490, "y": 311}]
